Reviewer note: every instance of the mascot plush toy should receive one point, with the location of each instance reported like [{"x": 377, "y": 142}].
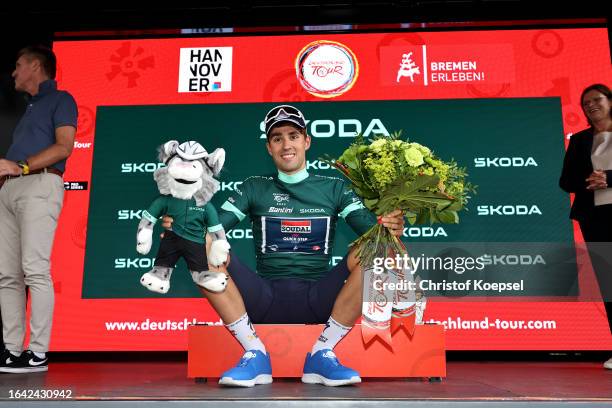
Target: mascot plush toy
[{"x": 186, "y": 186}]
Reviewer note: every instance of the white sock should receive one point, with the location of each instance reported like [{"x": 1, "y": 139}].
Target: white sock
[
  {"x": 39, "y": 354},
  {"x": 331, "y": 335},
  {"x": 243, "y": 331},
  {"x": 15, "y": 353}
]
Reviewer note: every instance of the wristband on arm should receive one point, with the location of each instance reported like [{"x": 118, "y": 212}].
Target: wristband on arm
[{"x": 25, "y": 169}]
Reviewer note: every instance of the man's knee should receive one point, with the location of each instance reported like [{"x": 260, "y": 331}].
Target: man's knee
[
  {"x": 38, "y": 280},
  {"x": 12, "y": 280},
  {"x": 35, "y": 266}
]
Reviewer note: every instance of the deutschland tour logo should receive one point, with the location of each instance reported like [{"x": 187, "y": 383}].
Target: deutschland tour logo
[{"x": 326, "y": 68}]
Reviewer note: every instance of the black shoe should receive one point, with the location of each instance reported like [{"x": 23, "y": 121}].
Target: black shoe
[
  {"x": 7, "y": 359},
  {"x": 26, "y": 363}
]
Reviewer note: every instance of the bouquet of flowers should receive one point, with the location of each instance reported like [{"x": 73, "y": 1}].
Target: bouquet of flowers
[{"x": 389, "y": 173}]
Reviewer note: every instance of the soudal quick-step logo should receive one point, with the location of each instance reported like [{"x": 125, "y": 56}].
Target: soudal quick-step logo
[
  {"x": 296, "y": 226},
  {"x": 435, "y": 65},
  {"x": 207, "y": 69},
  {"x": 326, "y": 68}
]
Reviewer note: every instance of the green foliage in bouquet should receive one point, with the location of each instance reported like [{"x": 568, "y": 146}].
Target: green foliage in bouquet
[{"x": 388, "y": 173}]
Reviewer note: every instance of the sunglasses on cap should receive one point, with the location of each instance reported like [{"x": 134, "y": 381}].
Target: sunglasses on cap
[{"x": 284, "y": 113}]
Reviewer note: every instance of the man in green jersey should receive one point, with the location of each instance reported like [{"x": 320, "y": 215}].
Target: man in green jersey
[{"x": 293, "y": 216}]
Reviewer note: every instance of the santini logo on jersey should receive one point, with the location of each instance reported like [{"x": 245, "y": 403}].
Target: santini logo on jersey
[
  {"x": 280, "y": 210},
  {"x": 296, "y": 226}
]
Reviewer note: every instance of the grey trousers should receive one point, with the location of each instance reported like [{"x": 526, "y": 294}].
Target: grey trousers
[{"x": 29, "y": 208}]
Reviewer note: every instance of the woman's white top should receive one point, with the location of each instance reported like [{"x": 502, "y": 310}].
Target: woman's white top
[{"x": 601, "y": 157}]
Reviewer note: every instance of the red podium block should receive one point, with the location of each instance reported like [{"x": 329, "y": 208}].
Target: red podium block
[{"x": 212, "y": 350}]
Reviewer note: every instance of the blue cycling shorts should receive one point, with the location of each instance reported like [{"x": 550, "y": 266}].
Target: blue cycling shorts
[{"x": 288, "y": 300}]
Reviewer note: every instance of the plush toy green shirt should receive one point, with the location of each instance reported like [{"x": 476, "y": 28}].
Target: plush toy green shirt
[{"x": 190, "y": 221}]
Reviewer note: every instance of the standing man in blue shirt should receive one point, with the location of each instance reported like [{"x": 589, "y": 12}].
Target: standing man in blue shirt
[{"x": 31, "y": 196}]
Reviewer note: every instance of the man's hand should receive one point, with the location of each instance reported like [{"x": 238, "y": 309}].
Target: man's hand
[
  {"x": 9, "y": 168},
  {"x": 166, "y": 223},
  {"x": 597, "y": 180},
  {"x": 394, "y": 221}
]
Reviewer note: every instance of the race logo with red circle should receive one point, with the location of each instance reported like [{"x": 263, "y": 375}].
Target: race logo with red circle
[{"x": 326, "y": 69}]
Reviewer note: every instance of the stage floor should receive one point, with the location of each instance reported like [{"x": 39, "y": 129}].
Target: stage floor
[{"x": 466, "y": 381}]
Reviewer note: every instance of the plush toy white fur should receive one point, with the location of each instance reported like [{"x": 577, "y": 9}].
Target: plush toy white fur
[{"x": 189, "y": 173}]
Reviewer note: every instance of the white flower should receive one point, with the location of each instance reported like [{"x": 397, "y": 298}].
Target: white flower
[
  {"x": 413, "y": 156},
  {"x": 377, "y": 145},
  {"x": 423, "y": 149}
]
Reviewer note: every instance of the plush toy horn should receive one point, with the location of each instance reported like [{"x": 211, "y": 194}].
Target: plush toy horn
[
  {"x": 167, "y": 150},
  {"x": 170, "y": 147},
  {"x": 215, "y": 160}
]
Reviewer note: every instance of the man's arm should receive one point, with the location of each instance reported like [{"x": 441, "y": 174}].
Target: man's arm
[
  {"x": 229, "y": 219},
  {"x": 237, "y": 206},
  {"x": 64, "y": 142},
  {"x": 360, "y": 219},
  {"x": 62, "y": 149}
]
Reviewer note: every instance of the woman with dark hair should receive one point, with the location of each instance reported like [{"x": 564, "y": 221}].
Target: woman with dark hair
[{"x": 587, "y": 172}]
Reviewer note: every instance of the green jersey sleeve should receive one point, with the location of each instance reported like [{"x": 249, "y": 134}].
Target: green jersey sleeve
[
  {"x": 158, "y": 208},
  {"x": 236, "y": 207},
  {"x": 212, "y": 219},
  {"x": 359, "y": 218}
]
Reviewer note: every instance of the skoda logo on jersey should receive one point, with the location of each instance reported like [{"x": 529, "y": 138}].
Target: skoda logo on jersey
[
  {"x": 312, "y": 211},
  {"x": 296, "y": 226}
]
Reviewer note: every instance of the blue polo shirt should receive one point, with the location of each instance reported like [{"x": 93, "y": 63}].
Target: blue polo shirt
[{"x": 46, "y": 111}]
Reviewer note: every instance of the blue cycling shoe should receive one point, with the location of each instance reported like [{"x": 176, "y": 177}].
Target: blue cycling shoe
[
  {"x": 324, "y": 368},
  {"x": 252, "y": 369}
]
